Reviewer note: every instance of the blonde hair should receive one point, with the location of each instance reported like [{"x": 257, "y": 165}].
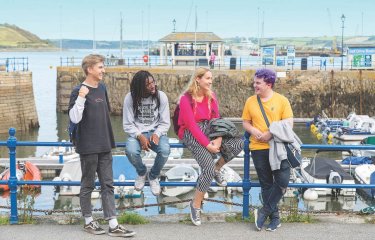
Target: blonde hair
[
  {"x": 193, "y": 87},
  {"x": 91, "y": 60}
]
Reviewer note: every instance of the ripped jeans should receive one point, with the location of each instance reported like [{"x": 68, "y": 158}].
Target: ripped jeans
[
  {"x": 162, "y": 150},
  {"x": 273, "y": 183}
]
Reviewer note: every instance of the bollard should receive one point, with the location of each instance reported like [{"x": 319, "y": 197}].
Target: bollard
[
  {"x": 246, "y": 183},
  {"x": 12, "y": 143}
]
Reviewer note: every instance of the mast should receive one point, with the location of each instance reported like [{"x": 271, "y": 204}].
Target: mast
[{"x": 120, "y": 35}]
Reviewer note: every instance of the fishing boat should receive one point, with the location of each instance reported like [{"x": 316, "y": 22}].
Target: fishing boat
[
  {"x": 24, "y": 172},
  {"x": 365, "y": 174},
  {"x": 179, "y": 173}
]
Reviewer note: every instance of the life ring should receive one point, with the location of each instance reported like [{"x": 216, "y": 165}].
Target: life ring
[{"x": 145, "y": 58}]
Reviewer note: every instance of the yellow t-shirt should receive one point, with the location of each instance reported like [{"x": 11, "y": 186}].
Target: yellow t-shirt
[{"x": 276, "y": 108}]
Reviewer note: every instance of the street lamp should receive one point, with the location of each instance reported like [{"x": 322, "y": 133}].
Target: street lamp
[
  {"x": 342, "y": 41},
  {"x": 174, "y": 25}
]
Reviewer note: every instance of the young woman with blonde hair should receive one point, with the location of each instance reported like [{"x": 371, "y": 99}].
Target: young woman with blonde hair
[{"x": 198, "y": 105}]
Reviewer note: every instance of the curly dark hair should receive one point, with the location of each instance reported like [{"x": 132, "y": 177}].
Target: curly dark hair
[{"x": 138, "y": 89}]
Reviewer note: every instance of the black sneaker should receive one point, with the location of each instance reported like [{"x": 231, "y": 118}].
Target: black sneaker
[
  {"x": 94, "y": 228},
  {"x": 120, "y": 231}
]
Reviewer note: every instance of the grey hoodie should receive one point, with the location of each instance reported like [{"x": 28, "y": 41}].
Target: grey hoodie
[
  {"x": 282, "y": 133},
  {"x": 150, "y": 118}
]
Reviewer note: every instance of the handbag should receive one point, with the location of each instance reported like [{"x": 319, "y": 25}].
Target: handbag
[{"x": 294, "y": 156}]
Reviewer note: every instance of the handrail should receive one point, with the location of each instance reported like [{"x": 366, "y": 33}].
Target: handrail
[{"x": 246, "y": 184}]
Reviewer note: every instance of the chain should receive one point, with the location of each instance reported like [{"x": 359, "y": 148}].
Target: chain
[{"x": 251, "y": 207}]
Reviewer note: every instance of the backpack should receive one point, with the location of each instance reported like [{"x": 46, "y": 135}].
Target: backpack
[
  {"x": 72, "y": 128},
  {"x": 176, "y": 113}
]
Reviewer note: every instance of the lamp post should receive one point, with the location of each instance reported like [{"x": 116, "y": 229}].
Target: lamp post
[
  {"x": 342, "y": 41},
  {"x": 174, "y": 25}
]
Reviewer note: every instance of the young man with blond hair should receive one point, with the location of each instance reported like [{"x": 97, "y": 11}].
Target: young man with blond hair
[{"x": 89, "y": 109}]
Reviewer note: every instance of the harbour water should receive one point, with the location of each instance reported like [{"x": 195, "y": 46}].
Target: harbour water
[{"x": 52, "y": 128}]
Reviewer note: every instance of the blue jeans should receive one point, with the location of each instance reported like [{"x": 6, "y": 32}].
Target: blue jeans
[
  {"x": 162, "y": 150},
  {"x": 273, "y": 183}
]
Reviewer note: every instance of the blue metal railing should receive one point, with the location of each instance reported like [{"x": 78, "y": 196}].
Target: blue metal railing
[
  {"x": 14, "y": 64},
  {"x": 246, "y": 184}
]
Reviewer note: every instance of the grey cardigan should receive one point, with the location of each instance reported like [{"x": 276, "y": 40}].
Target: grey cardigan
[{"x": 282, "y": 133}]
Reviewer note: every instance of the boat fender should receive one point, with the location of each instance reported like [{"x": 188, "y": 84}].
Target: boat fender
[{"x": 310, "y": 195}]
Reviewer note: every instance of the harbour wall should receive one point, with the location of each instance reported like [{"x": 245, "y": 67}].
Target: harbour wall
[
  {"x": 17, "y": 103},
  {"x": 310, "y": 92}
]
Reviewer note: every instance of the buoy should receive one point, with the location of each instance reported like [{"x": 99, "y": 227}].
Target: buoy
[
  {"x": 330, "y": 136},
  {"x": 50, "y": 67},
  {"x": 310, "y": 194},
  {"x": 319, "y": 136}
]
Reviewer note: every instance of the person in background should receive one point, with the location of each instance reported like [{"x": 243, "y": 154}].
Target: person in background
[
  {"x": 212, "y": 60},
  {"x": 146, "y": 119},
  {"x": 277, "y": 107},
  {"x": 89, "y": 109},
  {"x": 198, "y": 105}
]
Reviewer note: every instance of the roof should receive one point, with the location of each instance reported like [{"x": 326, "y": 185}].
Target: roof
[{"x": 190, "y": 37}]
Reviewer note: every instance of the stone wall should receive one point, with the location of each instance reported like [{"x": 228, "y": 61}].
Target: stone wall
[
  {"x": 310, "y": 92},
  {"x": 17, "y": 104}
]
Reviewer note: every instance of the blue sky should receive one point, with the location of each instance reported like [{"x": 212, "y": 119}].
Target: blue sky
[{"x": 73, "y": 19}]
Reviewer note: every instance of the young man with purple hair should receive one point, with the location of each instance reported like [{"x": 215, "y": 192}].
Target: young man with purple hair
[{"x": 277, "y": 107}]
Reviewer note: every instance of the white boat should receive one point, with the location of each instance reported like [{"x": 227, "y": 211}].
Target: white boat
[
  {"x": 320, "y": 170},
  {"x": 72, "y": 172},
  {"x": 230, "y": 176},
  {"x": 357, "y": 128},
  {"x": 365, "y": 174},
  {"x": 123, "y": 171},
  {"x": 68, "y": 153},
  {"x": 179, "y": 173}
]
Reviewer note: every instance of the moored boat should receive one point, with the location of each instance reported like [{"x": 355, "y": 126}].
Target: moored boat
[
  {"x": 365, "y": 174},
  {"x": 25, "y": 171},
  {"x": 179, "y": 173}
]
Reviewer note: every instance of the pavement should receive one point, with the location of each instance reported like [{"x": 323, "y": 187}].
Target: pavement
[{"x": 165, "y": 227}]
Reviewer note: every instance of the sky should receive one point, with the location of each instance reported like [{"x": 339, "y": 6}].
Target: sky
[{"x": 153, "y": 19}]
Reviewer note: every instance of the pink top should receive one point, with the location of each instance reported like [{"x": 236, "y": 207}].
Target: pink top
[{"x": 188, "y": 119}]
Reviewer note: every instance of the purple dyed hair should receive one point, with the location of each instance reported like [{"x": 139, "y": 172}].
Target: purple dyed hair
[{"x": 268, "y": 75}]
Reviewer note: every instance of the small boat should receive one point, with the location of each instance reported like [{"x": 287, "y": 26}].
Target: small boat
[
  {"x": 68, "y": 153},
  {"x": 123, "y": 171},
  {"x": 230, "y": 176},
  {"x": 324, "y": 170},
  {"x": 71, "y": 171},
  {"x": 25, "y": 171},
  {"x": 179, "y": 173},
  {"x": 365, "y": 174}
]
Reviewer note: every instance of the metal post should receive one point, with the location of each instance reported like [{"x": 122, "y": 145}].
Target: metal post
[
  {"x": 342, "y": 42},
  {"x": 12, "y": 143},
  {"x": 246, "y": 183}
]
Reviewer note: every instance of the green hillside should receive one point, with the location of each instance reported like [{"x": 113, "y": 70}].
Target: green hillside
[{"x": 12, "y": 36}]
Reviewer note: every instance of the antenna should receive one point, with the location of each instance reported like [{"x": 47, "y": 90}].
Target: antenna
[{"x": 195, "y": 38}]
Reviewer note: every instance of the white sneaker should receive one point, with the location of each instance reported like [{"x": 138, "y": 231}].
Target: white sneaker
[
  {"x": 154, "y": 186},
  {"x": 140, "y": 182}
]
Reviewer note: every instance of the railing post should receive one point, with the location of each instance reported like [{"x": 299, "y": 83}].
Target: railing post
[
  {"x": 246, "y": 183},
  {"x": 12, "y": 183}
]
